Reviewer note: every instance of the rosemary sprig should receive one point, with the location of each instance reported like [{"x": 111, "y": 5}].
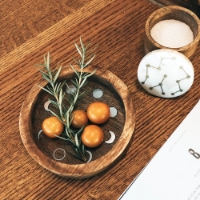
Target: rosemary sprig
[{"x": 56, "y": 89}]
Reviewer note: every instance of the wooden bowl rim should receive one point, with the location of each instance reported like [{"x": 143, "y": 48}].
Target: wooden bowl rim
[
  {"x": 167, "y": 9},
  {"x": 86, "y": 169}
]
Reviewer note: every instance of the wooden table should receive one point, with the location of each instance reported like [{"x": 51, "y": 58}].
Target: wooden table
[{"x": 28, "y": 30}]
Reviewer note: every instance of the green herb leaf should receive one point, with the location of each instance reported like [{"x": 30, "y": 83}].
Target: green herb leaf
[
  {"x": 58, "y": 91},
  {"x": 86, "y": 64},
  {"x": 78, "y": 49},
  {"x": 57, "y": 74}
]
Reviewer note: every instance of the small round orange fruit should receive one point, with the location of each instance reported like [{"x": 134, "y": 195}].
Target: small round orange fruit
[
  {"x": 98, "y": 112},
  {"x": 52, "y": 127},
  {"x": 79, "y": 118},
  {"x": 92, "y": 136}
]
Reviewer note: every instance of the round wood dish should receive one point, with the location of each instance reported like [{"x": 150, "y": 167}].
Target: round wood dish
[
  {"x": 178, "y": 13},
  {"x": 115, "y": 94}
]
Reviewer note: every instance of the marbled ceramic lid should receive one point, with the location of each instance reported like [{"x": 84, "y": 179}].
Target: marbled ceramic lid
[{"x": 165, "y": 73}]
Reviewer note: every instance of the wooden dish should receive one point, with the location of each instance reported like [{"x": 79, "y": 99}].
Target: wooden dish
[
  {"x": 115, "y": 94},
  {"x": 177, "y": 13}
]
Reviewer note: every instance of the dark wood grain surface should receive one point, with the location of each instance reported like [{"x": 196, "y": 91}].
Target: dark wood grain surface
[{"x": 28, "y": 30}]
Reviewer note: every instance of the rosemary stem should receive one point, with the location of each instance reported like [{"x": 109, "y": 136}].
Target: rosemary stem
[{"x": 58, "y": 92}]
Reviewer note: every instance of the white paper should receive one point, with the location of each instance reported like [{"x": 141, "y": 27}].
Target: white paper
[{"x": 174, "y": 172}]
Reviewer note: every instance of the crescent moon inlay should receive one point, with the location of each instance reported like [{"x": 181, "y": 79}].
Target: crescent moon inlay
[
  {"x": 46, "y": 105},
  {"x": 112, "y": 138},
  {"x": 90, "y": 156},
  {"x": 39, "y": 132}
]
